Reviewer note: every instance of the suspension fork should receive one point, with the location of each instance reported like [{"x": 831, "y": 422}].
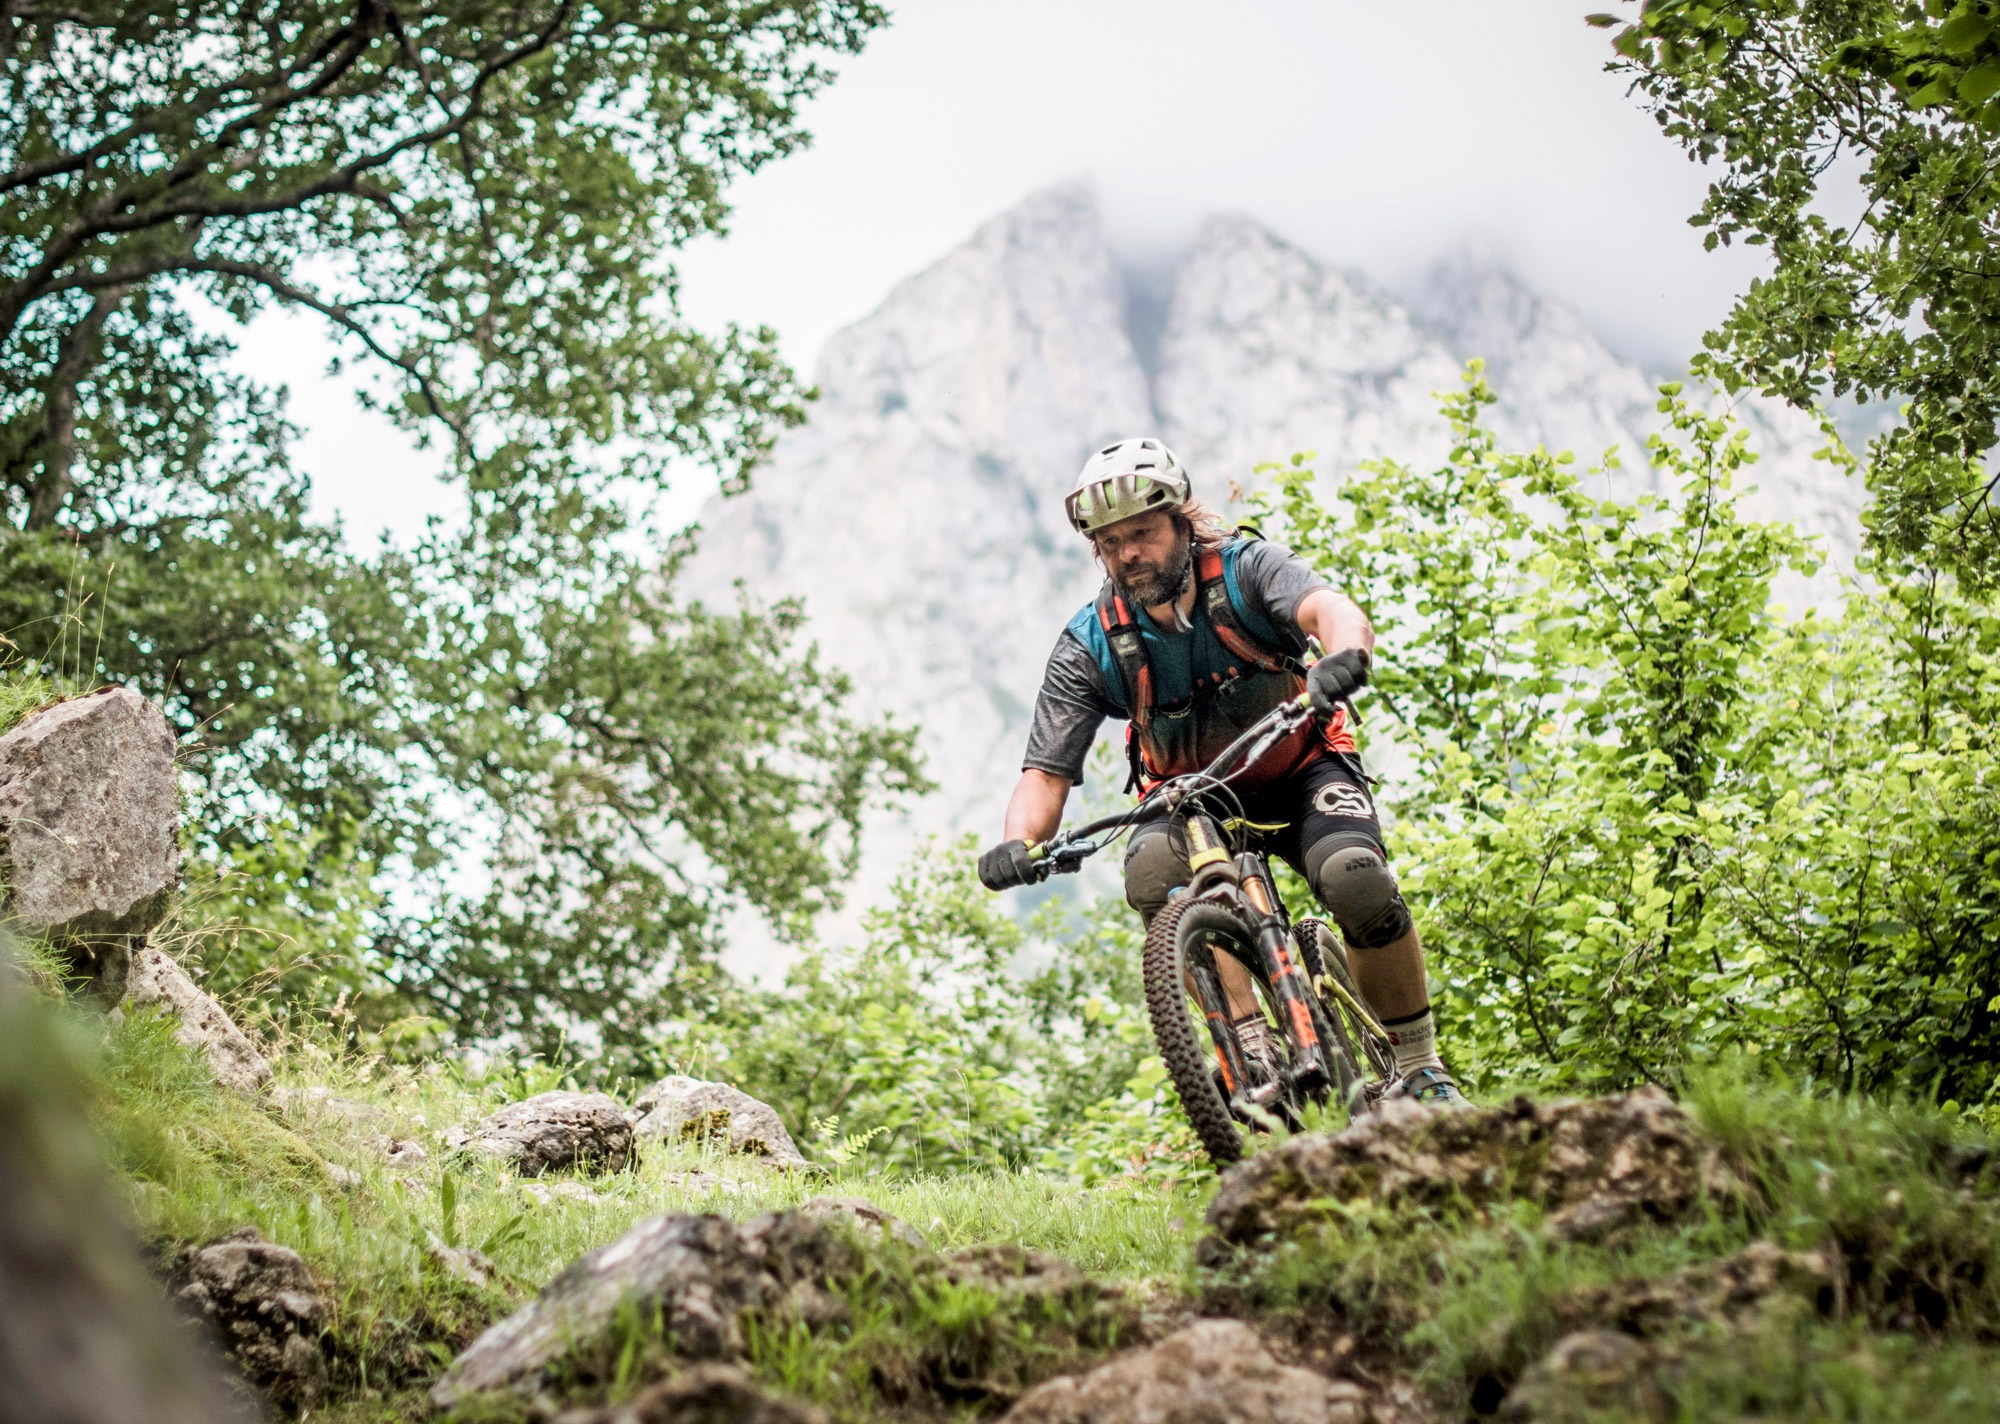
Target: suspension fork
[
  {"x": 1208, "y": 862},
  {"x": 1287, "y": 976},
  {"x": 1207, "y": 985}
]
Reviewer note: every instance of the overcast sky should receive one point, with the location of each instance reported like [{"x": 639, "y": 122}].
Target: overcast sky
[{"x": 1379, "y": 136}]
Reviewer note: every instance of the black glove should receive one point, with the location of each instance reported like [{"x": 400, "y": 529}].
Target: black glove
[
  {"x": 1335, "y": 678},
  {"x": 1007, "y": 865}
]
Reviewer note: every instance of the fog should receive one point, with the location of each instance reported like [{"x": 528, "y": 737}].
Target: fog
[{"x": 1381, "y": 137}]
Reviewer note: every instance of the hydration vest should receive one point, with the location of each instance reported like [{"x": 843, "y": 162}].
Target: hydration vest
[{"x": 1173, "y": 740}]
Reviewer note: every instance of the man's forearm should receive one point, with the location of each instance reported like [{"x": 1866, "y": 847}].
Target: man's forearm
[
  {"x": 1336, "y": 621},
  {"x": 1035, "y": 809}
]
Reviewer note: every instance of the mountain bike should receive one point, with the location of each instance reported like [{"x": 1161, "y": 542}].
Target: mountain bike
[{"x": 1330, "y": 1046}]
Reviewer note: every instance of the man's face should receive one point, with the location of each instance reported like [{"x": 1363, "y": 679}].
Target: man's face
[{"x": 1147, "y": 555}]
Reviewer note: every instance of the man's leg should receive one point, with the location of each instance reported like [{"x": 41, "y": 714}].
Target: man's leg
[{"x": 1343, "y": 860}]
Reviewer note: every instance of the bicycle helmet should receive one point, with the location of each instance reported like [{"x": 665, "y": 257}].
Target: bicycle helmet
[{"x": 1128, "y": 478}]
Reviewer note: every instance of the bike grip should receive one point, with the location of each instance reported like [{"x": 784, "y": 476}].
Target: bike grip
[{"x": 1038, "y": 850}]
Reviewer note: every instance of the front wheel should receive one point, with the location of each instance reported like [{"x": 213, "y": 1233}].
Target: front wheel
[{"x": 1189, "y": 932}]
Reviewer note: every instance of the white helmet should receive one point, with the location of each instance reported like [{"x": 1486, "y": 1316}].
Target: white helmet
[{"x": 1125, "y": 479}]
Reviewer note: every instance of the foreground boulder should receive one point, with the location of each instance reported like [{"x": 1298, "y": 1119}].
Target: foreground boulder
[
  {"x": 266, "y": 1309},
  {"x": 556, "y": 1132},
  {"x": 1595, "y": 1164},
  {"x": 86, "y": 1336},
  {"x": 706, "y": 1394},
  {"x": 697, "y": 1274},
  {"x": 1212, "y": 1372},
  {"x": 694, "y": 1110},
  {"x": 89, "y": 806},
  {"x": 201, "y": 1022}
]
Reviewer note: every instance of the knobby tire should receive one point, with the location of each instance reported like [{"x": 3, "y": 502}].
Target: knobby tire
[{"x": 1188, "y": 1055}]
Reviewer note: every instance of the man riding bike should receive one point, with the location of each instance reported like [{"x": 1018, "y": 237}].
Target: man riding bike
[{"x": 1196, "y": 634}]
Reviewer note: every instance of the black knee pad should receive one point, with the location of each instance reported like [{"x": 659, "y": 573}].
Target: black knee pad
[
  {"x": 1359, "y": 890},
  {"x": 1153, "y": 868}
]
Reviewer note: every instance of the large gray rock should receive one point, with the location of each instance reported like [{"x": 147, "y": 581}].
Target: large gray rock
[
  {"x": 262, "y": 1302},
  {"x": 1212, "y": 1372},
  {"x": 202, "y": 1023},
  {"x": 89, "y": 806},
  {"x": 699, "y": 1274},
  {"x": 555, "y": 1132},
  {"x": 684, "y": 1109}
]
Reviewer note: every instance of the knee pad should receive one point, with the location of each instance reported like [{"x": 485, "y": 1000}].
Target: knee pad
[
  {"x": 1153, "y": 867},
  {"x": 1359, "y": 890}
]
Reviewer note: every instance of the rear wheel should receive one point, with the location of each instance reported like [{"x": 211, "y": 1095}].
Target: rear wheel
[{"x": 1326, "y": 957}]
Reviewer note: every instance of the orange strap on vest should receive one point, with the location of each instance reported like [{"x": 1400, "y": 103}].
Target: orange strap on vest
[{"x": 1128, "y": 650}]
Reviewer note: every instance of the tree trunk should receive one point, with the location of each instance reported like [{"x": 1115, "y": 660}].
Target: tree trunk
[{"x": 58, "y": 443}]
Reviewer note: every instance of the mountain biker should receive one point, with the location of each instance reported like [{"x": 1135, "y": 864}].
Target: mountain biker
[{"x": 1195, "y": 635}]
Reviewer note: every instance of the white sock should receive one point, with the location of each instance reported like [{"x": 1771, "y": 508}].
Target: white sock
[
  {"x": 1415, "y": 1041},
  {"x": 1253, "y": 1032}
]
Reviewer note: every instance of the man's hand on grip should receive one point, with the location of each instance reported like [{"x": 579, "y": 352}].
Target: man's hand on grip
[
  {"x": 1335, "y": 678},
  {"x": 1007, "y": 865}
]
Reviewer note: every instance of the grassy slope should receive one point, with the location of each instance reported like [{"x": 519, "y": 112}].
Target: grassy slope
[
  {"x": 1461, "y": 1304},
  {"x": 205, "y": 1162}
]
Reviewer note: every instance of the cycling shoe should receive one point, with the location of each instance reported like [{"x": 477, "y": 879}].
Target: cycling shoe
[{"x": 1433, "y": 1087}]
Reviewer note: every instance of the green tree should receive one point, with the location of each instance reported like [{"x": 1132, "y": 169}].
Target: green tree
[
  {"x": 1859, "y": 141},
  {"x": 481, "y": 202},
  {"x": 1650, "y": 819}
]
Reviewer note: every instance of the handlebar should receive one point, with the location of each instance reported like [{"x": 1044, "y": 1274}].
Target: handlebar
[{"x": 1065, "y": 852}]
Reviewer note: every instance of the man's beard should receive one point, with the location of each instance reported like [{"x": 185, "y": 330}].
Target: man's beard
[{"x": 1153, "y": 584}]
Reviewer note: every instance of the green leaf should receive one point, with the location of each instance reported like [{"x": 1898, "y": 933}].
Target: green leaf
[
  {"x": 1964, "y": 32},
  {"x": 1980, "y": 83}
]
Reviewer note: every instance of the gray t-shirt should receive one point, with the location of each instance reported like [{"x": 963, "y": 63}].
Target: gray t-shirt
[{"x": 1273, "y": 582}]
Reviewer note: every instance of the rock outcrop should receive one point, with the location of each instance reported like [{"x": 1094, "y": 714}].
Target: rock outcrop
[
  {"x": 1595, "y": 1164},
  {"x": 264, "y": 1306},
  {"x": 201, "y": 1023},
  {"x": 1212, "y": 1372},
  {"x": 697, "y": 1274},
  {"x": 694, "y": 1110},
  {"x": 89, "y": 806},
  {"x": 556, "y": 1132}
]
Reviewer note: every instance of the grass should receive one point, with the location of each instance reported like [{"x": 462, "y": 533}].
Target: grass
[
  {"x": 202, "y": 1161},
  {"x": 1899, "y": 1200}
]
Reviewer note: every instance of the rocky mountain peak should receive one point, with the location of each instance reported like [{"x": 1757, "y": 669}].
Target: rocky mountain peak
[{"x": 919, "y": 511}]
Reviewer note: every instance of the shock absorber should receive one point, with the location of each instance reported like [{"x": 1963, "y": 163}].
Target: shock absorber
[{"x": 1287, "y": 974}]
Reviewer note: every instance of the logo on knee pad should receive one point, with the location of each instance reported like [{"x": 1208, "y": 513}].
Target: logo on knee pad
[{"x": 1341, "y": 798}]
